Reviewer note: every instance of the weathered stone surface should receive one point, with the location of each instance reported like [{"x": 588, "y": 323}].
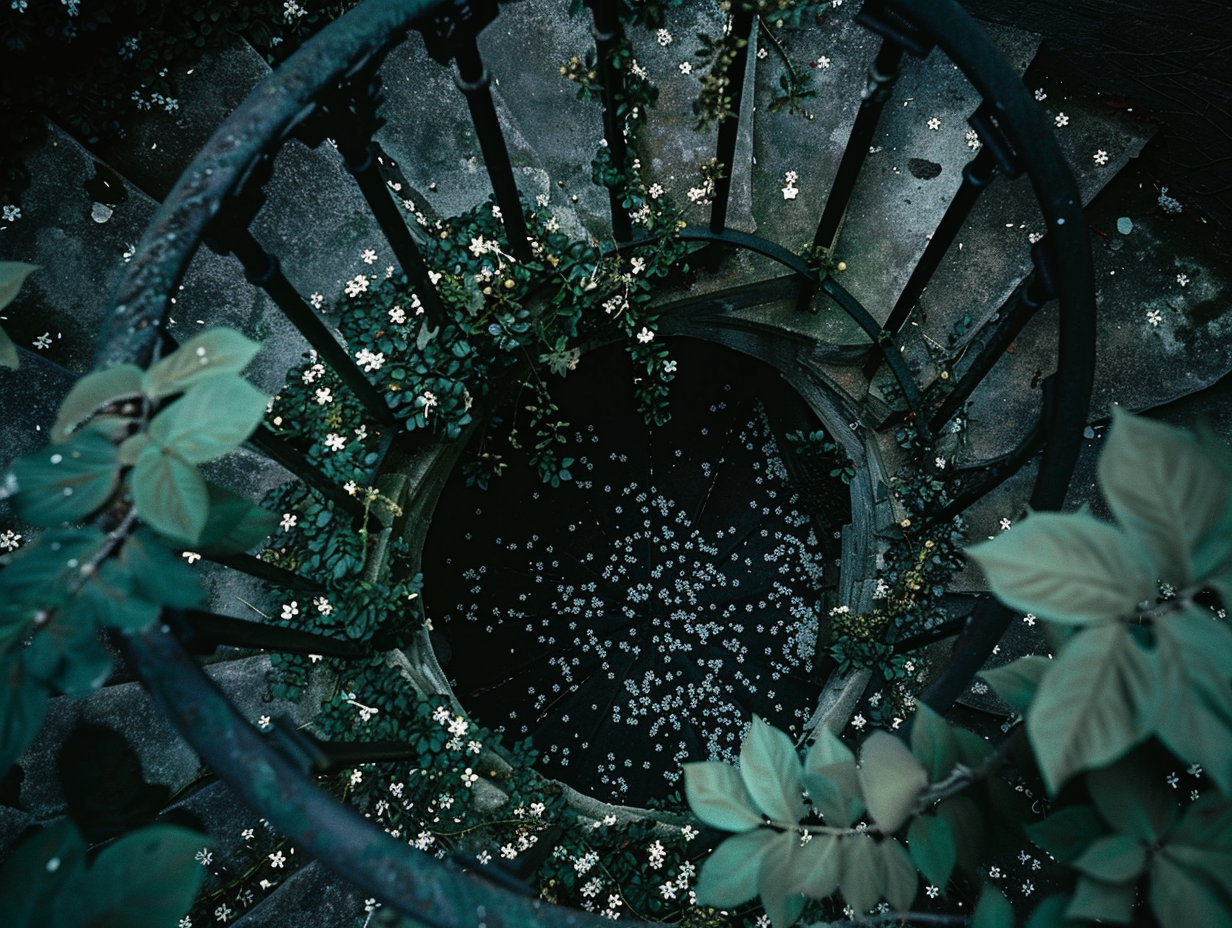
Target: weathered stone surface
[{"x": 312, "y": 896}]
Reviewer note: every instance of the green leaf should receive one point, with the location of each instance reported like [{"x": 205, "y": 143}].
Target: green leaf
[
  {"x": 205, "y": 355},
  {"x": 146, "y": 879},
  {"x": 717, "y": 795},
  {"x": 113, "y": 599},
  {"x": 1207, "y": 822},
  {"x": 8, "y": 352},
  {"x": 131, "y": 447},
  {"x": 170, "y": 495},
  {"x": 729, "y": 875},
  {"x": 160, "y": 575},
  {"x": 66, "y": 654},
  {"x": 831, "y": 780},
  {"x": 12, "y": 275},
  {"x": 1017, "y": 681},
  {"x": 860, "y": 876},
  {"x": 1050, "y": 913},
  {"x": 1182, "y": 897},
  {"x": 820, "y": 867},
  {"x": 777, "y": 875},
  {"x": 1069, "y": 568},
  {"x": 37, "y": 872},
  {"x": 1096, "y": 701},
  {"x": 931, "y": 843},
  {"x": 771, "y": 772},
  {"x": 38, "y": 576},
  {"x": 68, "y": 482},
  {"x": 23, "y": 701},
  {"x": 211, "y": 419},
  {"x": 1164, "y": 489},
  {"x": 1067, "y": 832},
  {"x": 1131, "y": 795},
  {"x": 91, "y": 393},
  {"x": 234, "y": 525},
  {"x": 1113, "y": 859},
  {"x": 933, "y": 743},
  {"x": 900, "y": 880},
  {"x": 891, "y": 780},
  {"x": 1103, "y": 902},
  {"x": 967, "y": 827},
  {"x": 993, "y": 910}
]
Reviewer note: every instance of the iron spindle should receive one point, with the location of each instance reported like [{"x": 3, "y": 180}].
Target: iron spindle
[
  {"x": 202, "y": 633},
  {"x": 282, "y": 452},
  {"x": 729, "y": 123},
  {"x": 606, "y": 32},
  {"x": 270, "y": 573}
]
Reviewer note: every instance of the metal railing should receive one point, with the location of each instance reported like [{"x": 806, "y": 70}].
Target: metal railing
[{"x": 329, "y": 89}]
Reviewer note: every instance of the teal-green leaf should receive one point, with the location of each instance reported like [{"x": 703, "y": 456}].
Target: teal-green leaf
[
  {"x": 1113, "y": 859},
  {"x": 967, "y": 827},
  {"x": 993, "y": 910},
  {"x": 771, "y": 772},
  {"x": 820, "y": 867},
  {"x": 931, "y": 843},
  {"x": 39, "y": 575},
  {"x": 37, "y": 872},
  {"x": 8, "y": 352},
  {"x": 729, "y": 875},
  {"x": 1096, "y": 701},
  {"x": 204, "y": 356},
  {"x": 717, "y": 795},
  {"x": 170, "y": 495},
  {"x": 1099, "y": 901},
  {"x": 67, "y": 482},
  {"x": 932, "y": 742},
  {"x": 12, "y": 275},
  {"x": 91, "y": 393},
  {"x": 1069, "y": 831},
  {"x": 211, "y": 419},
  {"x": 1132, "y": 795},
  {"x": 900, "y": 880},
  {"x": 68, "y": 655},
  {"x": 146, "y": 879},
  {"x": 1206, "y": 823},
  {"x": 1069, "y": 568},
  {"x": 831, "y": 780},
  {"x": 1163, "y": 488},
  {"x": 779, "y": 873},
  {"x": 1017, "y": 681},
  {"x": 235, "y": 525},
  {"x": 160, "y": 576},
  {"x": 891, "y": 780},
  {"x": 113, "y": 599},
  {"x": 861, "y": 875},
  {"x": 1050, "y": 913},
  {"x": 23, "y": 701},
  {"x": 1182, "y": 897}
]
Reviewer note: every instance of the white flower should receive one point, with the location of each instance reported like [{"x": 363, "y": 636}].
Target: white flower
[
  {"x": 204, "y": 857},
  {"x": 248, "y": 834},
  {"x": 184, "y": 922},
  {"x": 357, "y": 777},
  {"x": 1029, "y": 618},
  {"x": 428, "y": 401},
  {"x": 790, "y": 192},
  {"x": 934, "y": 124},
  {"x": 191, "y": 556},
  {"x": 1028, "y": 888},
  {"x": 276, "y": 859},
  {"x": 1062, "y": 120},
  {"x": 370, "y": 361},
  {"x": 469, "y": 778},
  {"x": 689, "y": 832},
  {"x": 1172, "y": 779},
  {"x": 288, "y": 521},
  {"x": 335, "y": 442},
  {"x": 1101, "y": 157},
  {"x": 324, "y": 396},
  {"x": 397, "y": 315},
  {"x": 222, "y": 913},
  {"x": 323, "y": 605},
  {"x": 10, "y": 541},
  {"x": 637, "y": 69},
  {"x": 1154, "y": 316},
  {"x": 637, "y": 265},
  {"x": 357, "y": 286},
  {"x": 823, "y": 62},
  {"x": 859, "y": 722},
  {"x": 12, "y": 213},
  {"x": 290, "y": 610},
  {"x": 645, "y": 336},
  {"x": 655, "y": 191},
  {"x": 458, "y": 726},
  {"x": 973, "y": 140},
  {"x": 669, "y": 367},
  {"x": 668, "y": 890},
  {"x": 43, "y": 341},
  {"x": 1195, "y": 770},
  {"x": 263, "y": 722},
  {"x": 1182, "y": 279},
  {"x": 478, "y": 246},
  {"x": 508, "y": 851},
  {"x": 940, "y": 463},
  {"x": 657, "y": 854},
  {"x": 664, "y": 37},
  {"x": 368, "y": 256},
  {"x": 686, "y": 67},
  {"x": 1040, "y": 95},
  {"x": 1005, "y": 525}
]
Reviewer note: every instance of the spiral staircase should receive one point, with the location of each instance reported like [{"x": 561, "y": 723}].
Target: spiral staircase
[{"x": 959, "y": 288}]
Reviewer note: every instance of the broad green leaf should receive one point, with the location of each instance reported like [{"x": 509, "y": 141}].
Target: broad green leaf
[
  {"x": 1050, "y": 913},
  {"x": 1132, "y": 796},
  {"x": 898, "y": 872},
  {"x": 211, "y": 419},
  {"x": 1206, "y": 823},
  {"x": 972, "y": 749},
  {"x": 38, "y": 577},
  {"x": 131, "y": 448},
  {"x": 992, "y": 910},
  {"x": 67, "y": 482},
  {"x": 933, "y": 743},
  {"x": 234, "y": 525},
  {"x": 1194, "y": 652},
  {"x": 1066, "y": 833},
  {"x": 23, "y": 701},
  {"x": 37, "y": 872},
  {"x": 1099, "y": 901},
  {"x": 205, "y": 355},
  {"x": 160, "y": 575},
  {"x": 1182, "y": 897},
  {"x": 91, "y": 393},
  {"x": 170, "y": 495},
  {"x": 1096, "y": 701},
  {"x": 66, "y": 654},
  {"x": 146, "y": 879},
  {"x": 8, "y": 352},
  {"x": 771, "y": 772},
  {"x": 931, "y": 843},
  {"x": 891, "y": 780},
  {"x": 777, "y": 876},
  {"x": 1017, "y": 681},
  {"x": 717, "y": 795},
  {"x": 1069, "y": 568},
  {"x": 12, "y": 275},
  {"x": 1164, "y": 489},
  {"x": 1214, "y": 864},
  {"x": 820, "y": 866},
  {"x": 861, "y": 874},
  {"x": 967, "y": 827},
  {"x": 1113, "y": 859},
  {"x": 729, "y": 875},
  {"x": 113, "y": 598},
  {"x": 831, "y": 780}
]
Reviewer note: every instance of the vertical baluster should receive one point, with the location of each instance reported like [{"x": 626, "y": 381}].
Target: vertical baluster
[
  {"x": 473, "y": 80},
  {"x": 606, "y": 31},
  {"x": 729, "y": 127},
  {"x": 264, "y": 270}
]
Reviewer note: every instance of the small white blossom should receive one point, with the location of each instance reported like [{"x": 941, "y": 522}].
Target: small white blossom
[
  {"x": 357, "y": 286},
  {"x": 204, "y": 856},
  {"x": 316, "y": 300},
  {"x": 368, "y": 256},
  {"x": 324, "y": 396},
  {"x": 1182, "y": 279},
  {"x": 1101, "y": 157},
  {"x": 645, "y": 336},
  {"x": 12, "y": 213},
  {"x": 1040, "y": 95},
  {"x": 859, "y": 722},
  {"x": 1154, "y": 316},
  {"x": 397, "y": 315},
  {"x": 335, "y": 442},
  {"x": 10, "y": 541},
  {"x": 934, "y": 124},
  {"x": 290, "y": 610},
  {"x": 1062, "y": 120},
  {"x": 277, "y": 859},
  {"x": 664, "y": 37},
  {"x": 686, "y": 67}
]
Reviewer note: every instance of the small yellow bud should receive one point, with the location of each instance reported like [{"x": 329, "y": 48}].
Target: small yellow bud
[
  {"x": 842, "y": 266},
  {"x": 509, "y": 283}
]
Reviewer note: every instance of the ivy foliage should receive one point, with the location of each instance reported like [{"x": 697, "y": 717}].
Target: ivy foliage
[{"x": 12, "y": 275}]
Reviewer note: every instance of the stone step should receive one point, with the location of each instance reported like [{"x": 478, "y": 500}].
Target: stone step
[{"x": 311, "y": 896}]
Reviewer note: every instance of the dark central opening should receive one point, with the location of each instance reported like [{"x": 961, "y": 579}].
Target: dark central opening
[{"x": 635, "y": 617}]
